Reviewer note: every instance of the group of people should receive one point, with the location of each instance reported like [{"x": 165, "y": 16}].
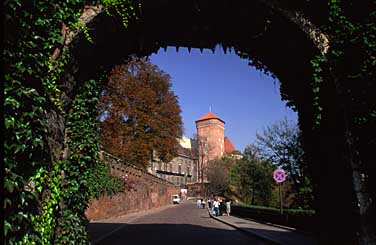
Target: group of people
[
  {"x": 216, "y": 205},
  {"x": 201, "y": 203}
]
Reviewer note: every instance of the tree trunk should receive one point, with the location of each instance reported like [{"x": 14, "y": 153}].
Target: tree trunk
[{"x": 364, "y": 201}]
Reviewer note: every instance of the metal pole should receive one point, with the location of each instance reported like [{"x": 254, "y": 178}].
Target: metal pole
[{"x": 280, "y": 197}]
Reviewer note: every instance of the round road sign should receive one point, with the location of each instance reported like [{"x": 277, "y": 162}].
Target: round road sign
[{"x": 279, "y": 175}]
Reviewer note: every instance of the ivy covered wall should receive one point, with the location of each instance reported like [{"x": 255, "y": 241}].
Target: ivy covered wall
[
  {"x": 51, "y": 90},
  {"x": 50, "y": 148}
]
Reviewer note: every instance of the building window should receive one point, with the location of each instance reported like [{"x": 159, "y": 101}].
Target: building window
[
  {"x": 179, "y": 168},
  {"x": 188, "y": 169}
]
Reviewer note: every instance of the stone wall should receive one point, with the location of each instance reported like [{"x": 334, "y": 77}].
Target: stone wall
[{"x": 143, "y": 191}]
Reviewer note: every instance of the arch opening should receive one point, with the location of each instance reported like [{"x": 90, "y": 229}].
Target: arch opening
[{"x": 270, "y": 41}]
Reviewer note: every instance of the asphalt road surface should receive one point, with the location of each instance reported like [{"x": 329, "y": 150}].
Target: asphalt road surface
[{"x": 174, "y": 225}]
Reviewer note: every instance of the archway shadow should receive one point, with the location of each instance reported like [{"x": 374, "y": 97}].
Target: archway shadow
[{"x": 167, "y": 234}]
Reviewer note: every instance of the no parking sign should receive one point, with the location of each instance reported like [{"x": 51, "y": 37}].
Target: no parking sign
[{"x": 279, "y": 175}]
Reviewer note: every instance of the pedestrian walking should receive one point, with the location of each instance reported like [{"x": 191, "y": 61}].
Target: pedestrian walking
[
  {"x": 222, "y": 207},
  {"x": 216, "y": 207},
  {"x": 228, "y": 207},
  {"x": 198, "y": 203},
  {"x": 203, "y": 203},
  {"x": 212, "y": 206}
]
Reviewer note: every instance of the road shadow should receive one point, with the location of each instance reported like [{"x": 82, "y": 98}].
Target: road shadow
[
  {"x": 285, "y": 237},
  {"x": 166, "y": 234}
]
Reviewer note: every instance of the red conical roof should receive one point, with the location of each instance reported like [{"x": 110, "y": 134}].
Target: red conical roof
[
  {"x": 208, "y": 116},
  {"x": 229, "y": 147}
]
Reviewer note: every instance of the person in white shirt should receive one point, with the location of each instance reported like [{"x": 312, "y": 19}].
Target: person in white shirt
[
  {"x": 198, "y": 203},
  {"x": 216, "y": 207},
  {"x": 212, "y": 206}
]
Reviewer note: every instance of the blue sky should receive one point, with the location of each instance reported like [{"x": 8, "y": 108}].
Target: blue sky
[{"x": 245, "y": 98}]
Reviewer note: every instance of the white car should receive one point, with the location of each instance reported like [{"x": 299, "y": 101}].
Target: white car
[{"x": 175, "y": 199}]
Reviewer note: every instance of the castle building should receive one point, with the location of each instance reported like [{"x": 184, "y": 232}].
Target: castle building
[
  {"x": 190, "y": 165},
  {"x": 210, "y": 137},
  {"x": 182, "y": 169}
]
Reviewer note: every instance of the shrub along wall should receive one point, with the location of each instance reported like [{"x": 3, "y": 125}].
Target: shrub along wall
[
  {"x": 296, "y": 218},
  {"x": 143, "y": 191}
]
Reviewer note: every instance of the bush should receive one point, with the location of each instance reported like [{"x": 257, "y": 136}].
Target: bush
[{"x": 296, "y": 218}]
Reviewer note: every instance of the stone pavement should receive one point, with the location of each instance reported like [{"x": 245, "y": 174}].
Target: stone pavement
[
  {"x": 98, "y": 232},
  {"x": 182, "y": 224},
  {"x": 274, "y": 234}
]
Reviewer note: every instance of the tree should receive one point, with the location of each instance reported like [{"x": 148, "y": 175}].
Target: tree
[
  {"x": 204, "y": 151},
  {"x": 139, "y": 113},
  {"x": 218, "y": 173},
  {"x": 253, "y": 178},
  {"x": 280, "y": 144},
  {"x": 251, "y": 151}
]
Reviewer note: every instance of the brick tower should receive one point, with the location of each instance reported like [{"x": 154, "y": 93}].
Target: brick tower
[{"x": 210, "y": 134}]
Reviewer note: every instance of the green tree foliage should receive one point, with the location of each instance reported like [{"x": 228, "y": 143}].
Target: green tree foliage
[
  {"x": 218, "y": 173},
  {"x": 139, "y": 113},
  {"x": 253, "y": 180},
  {"x": 280, "y": 144}
]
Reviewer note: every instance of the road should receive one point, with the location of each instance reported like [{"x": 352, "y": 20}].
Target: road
[{"x": 176, "y": 225}]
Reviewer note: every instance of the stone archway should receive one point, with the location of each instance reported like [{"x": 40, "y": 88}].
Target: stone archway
[{"x": 276, "y": 38}]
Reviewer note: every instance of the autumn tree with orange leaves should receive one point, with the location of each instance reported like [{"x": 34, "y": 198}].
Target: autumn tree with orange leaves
[{"x": 139, "y": 113}]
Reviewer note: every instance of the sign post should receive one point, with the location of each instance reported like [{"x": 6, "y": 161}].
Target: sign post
[
  {"x": 280, "y": 197},
  {"x": 280, "y": 176}
]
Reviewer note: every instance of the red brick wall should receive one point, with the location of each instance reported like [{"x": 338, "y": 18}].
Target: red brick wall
[
  {"x": 213, "y": 130},
  {"x": 143, "y": 191}
]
